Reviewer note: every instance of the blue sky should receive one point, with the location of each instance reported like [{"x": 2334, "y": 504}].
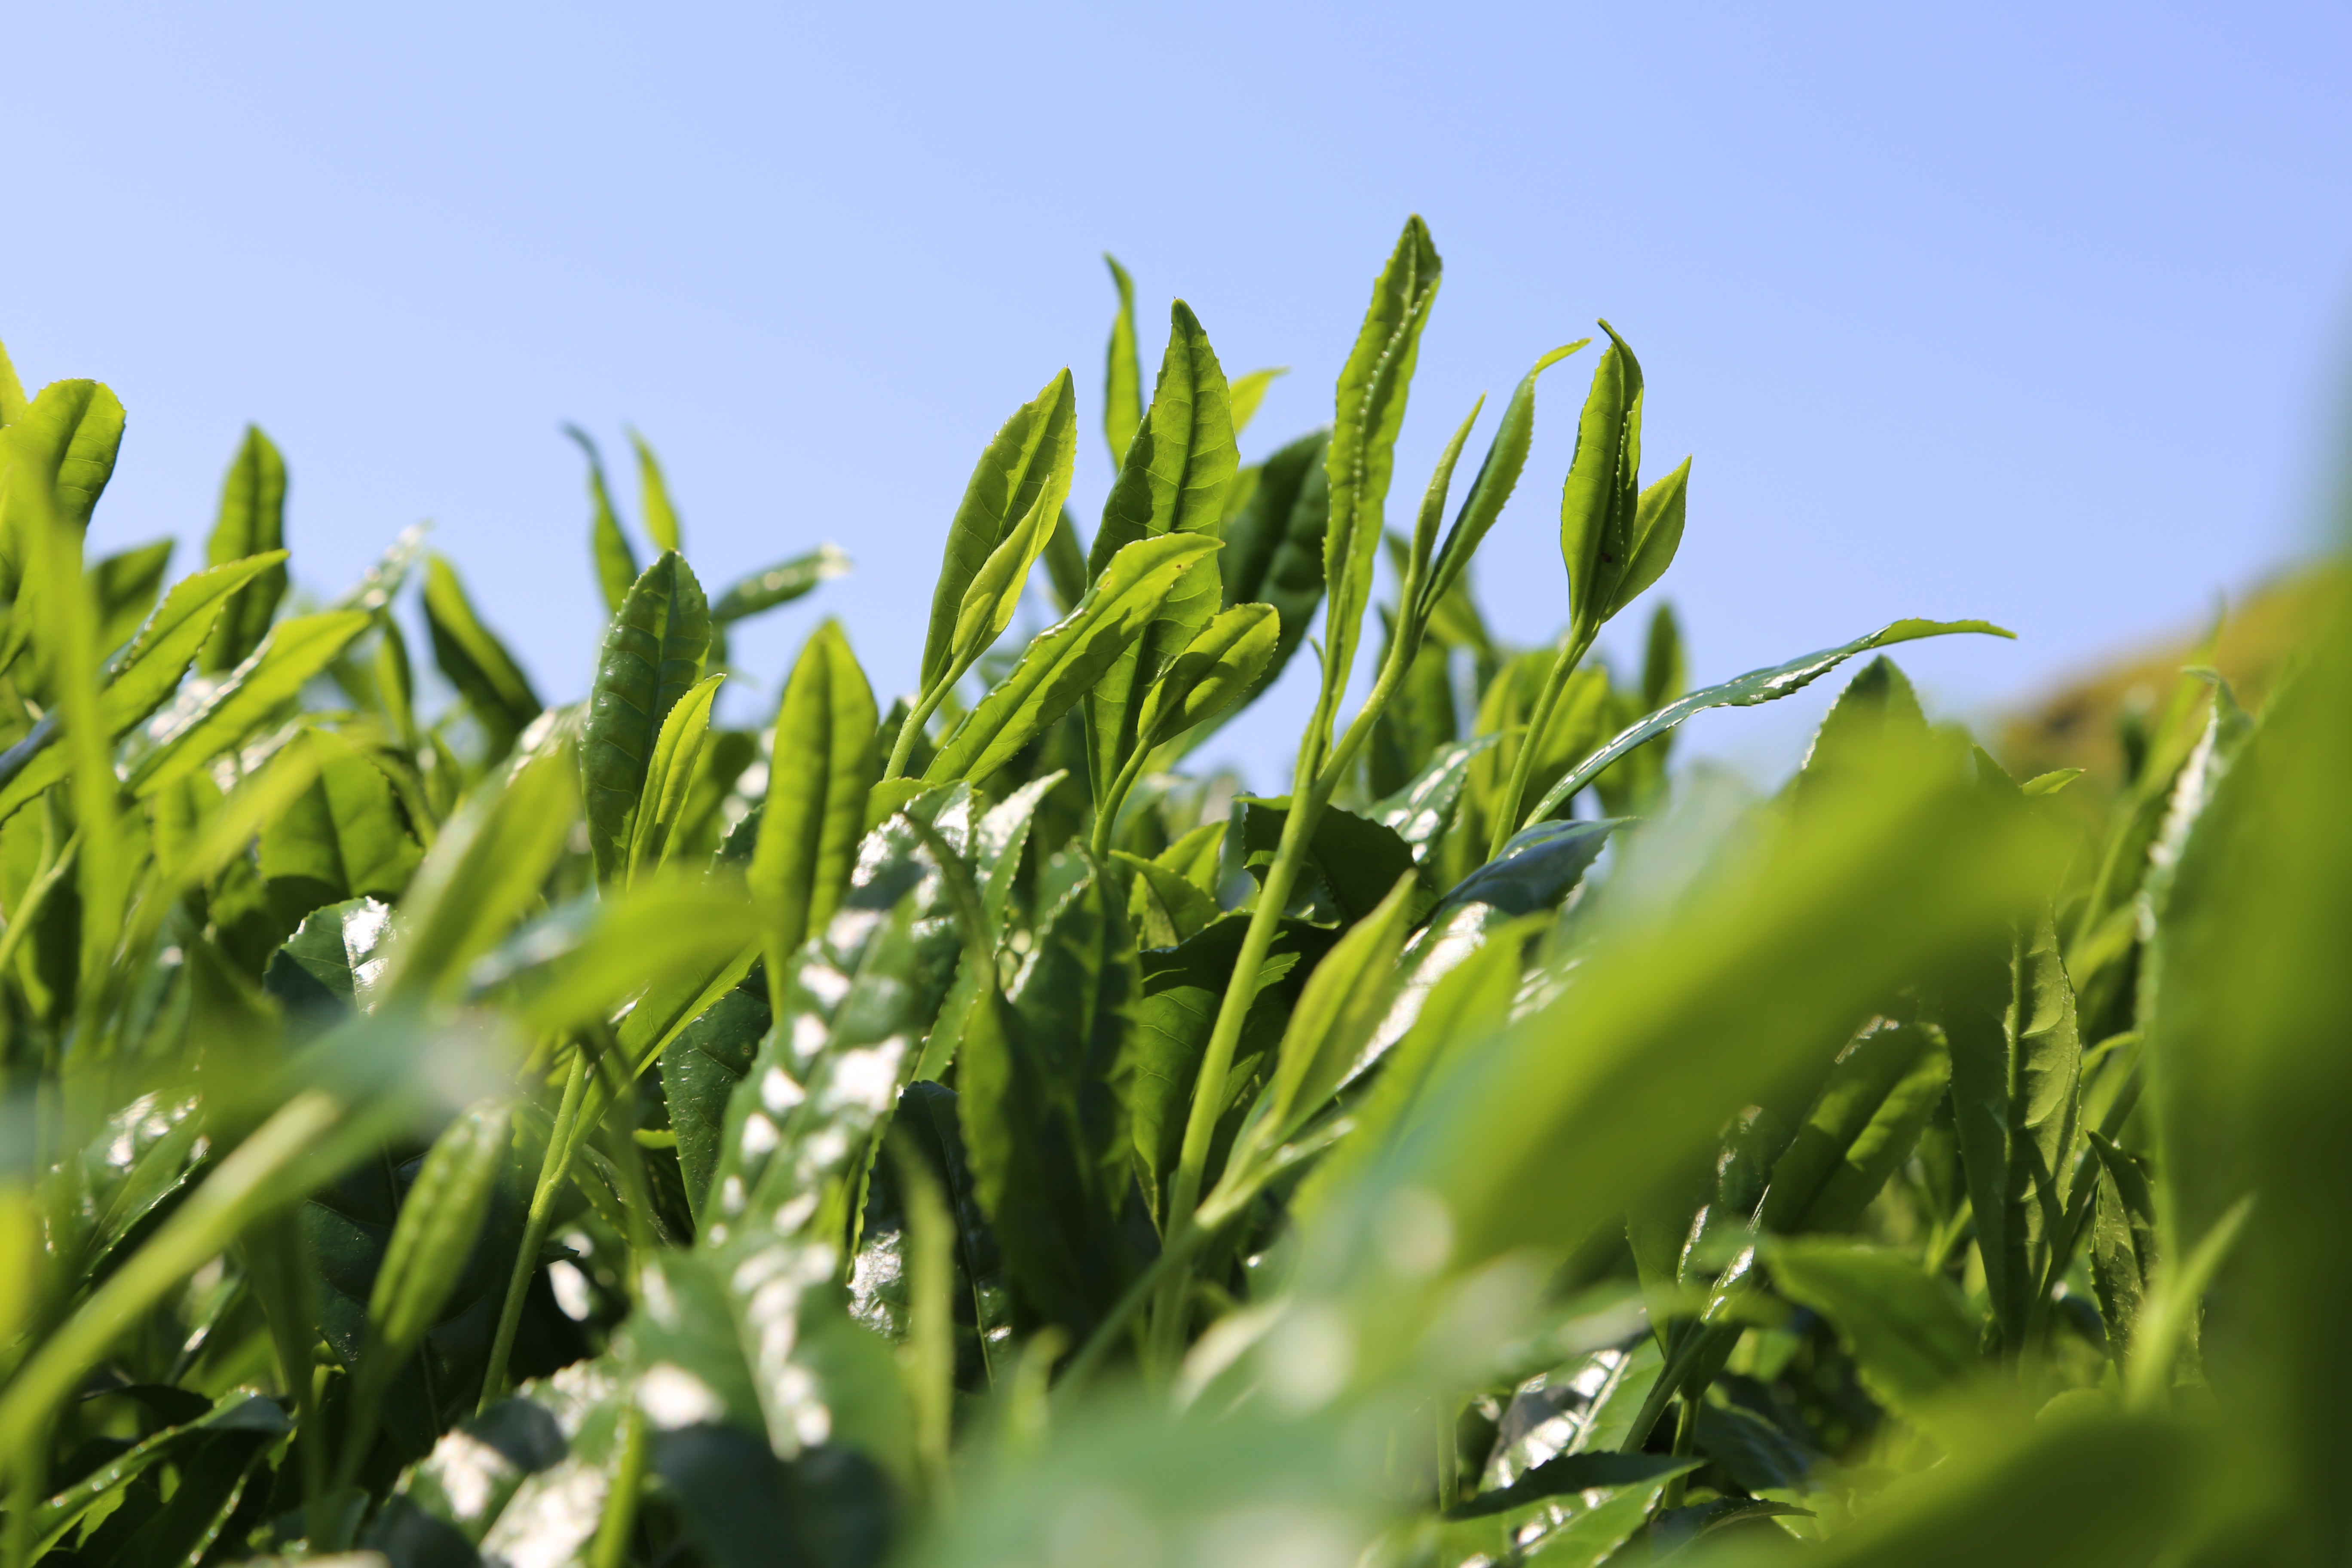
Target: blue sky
[{"x": 2037, "y": 313}]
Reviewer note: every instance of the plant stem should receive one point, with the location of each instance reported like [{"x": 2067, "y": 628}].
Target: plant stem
[
  {"x": 620, "y": 1517},
  {"x": 561, "y": 1141},
  {"x": 1506, "y": 810},
  {"x": 925, "y": 706},
  {"x": 1107, "y": 814},
  {"x": 1686, "y": 1440},
  {"x": 1316, "y": 777}
]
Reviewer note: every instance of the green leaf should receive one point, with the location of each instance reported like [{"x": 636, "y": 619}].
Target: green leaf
[
  {"x": 1362, "y": 451},
  {"x": 1277, "y": 539},
  {"x": 1745, "y": 691},
  {"x": 1221, "y": 663},
  {"x": 70, "y": 436},
  {"x": 526, "y": 1479},
  {"x": 1181, "y": 988},
  {"x": 1069, "y": 656},
  {"x": 126, "y": 587},
  {"x": 1598, "y": 501},
  {"x": 296, "y": 651},
  {"x": 252, "y": 522},
  {"x": 440, "y": 1218},
  {"x": 1185, "y": 907},
  {"x": 240, "y": 1411},
  {"x": 1912, "y": 1336},
  {"x": 1065, "y": 563},
  {"x": 1420, "y": 811},
  {"x": 1657, "y": 535},
  {"x": 341, "y": 839},
  {"x": 1010, "y": 505},
  {"x": 1665, "y": 673},
  {"x": 1757, "y": 1453},
  {"x": 1043, "y": 1093},
  {"x": 994, "y": 851},
  {"x": 779, "y": 583},
  {"x": 1345, "y": 999},
  {"x": 145, "y": 673},
  {"x": 1876, "y": 703},
  {"x": 608, "y": 546},
  {"x": 2017, "y": 1066},
  {"x": 1568, "y": 1473},
  {"x": 12, "y": 392},
  {"x": 1862, "y": 1125},
  {"x": 652, "y": 657},
  {"x": 477, "y": 663},
  {"x": 1499, "y": 474},
  {"x": 669, "y": 775},
  {"x": 1677, "y": 1013},
  {"x": 484, "y": 872},
  {"x": 1249, "y": 391},
  {"x": 2085, "y": 1489},
  {"x": 1539, "y": 867},
  {"x": 1354, "y": 861},
  {"x": 1255, "y": 532},
  {"x": 661, "y": 518},
  {"x": 323, "y": 973},
  {"x": 2123, "y": 1242},
  {"x": 1122, "y": 372},
  {"x": 699, "y": 1070},
  {"x": 826, "y": 761},
  {"x": 1446, "y": 1000},
  {"x": 1173, "y": 480}
]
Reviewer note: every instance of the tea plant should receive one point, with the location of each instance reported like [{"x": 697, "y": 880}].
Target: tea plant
[{"x": 961, "y": 1135}]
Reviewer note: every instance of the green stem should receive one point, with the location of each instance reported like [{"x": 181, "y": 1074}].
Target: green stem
[
  {"x": 620, "y": 1517},
  {"x": 562, "y": 1143},
  {"x": 925, "y": 706},
  {"x": 1506, "y": 809},
  {"x": 1686, "y": 1441},
  {"x": 1107, "y": 814},
  {"x": 1315, "y": 780}
]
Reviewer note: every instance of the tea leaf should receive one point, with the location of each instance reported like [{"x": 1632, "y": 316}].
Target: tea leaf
[
  {"x": 661, "y": 517},
  {"x": 252, "y": 522},
  {"x": 2016, "y": 1086},
  {"x": 295, "y": 651},
  {"x": 1012, "y": 502},
  {"x": 1913, "y": 1338},
  {"x": 1498, "y": 476},
  {"x": 608, "y": 546},
  {"x": 1599, "y": 499},
  {"x": 669, "y": 773},
  {"x": 1744, "y": 691},
  {"x": 1122, "y": 372},
  {"x": 653, "y": 654},
  {"x": 1362, "y": 451},
  {"x": 825, "y": 762},
  {"x": 1344, "y": 1001},
  {"x": 125, "y": 587},
  {"x": 1862, "y": 1125},
  {"x": 1171, "y": 481},
  {"x": 779, "y": 584},
  {"x": 340, "y": 838},
  {"x": 1220, "y": 664},
  {"x": 495, "y": 688},
  {"x": 1069, "y": 656},
  {"x": 483, "y": 872}
]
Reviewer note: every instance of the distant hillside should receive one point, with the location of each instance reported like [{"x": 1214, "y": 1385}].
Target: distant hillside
[{"x": 2093, "y": 722}]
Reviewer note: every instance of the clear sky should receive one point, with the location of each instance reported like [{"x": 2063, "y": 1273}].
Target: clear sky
[{"x": 2032, "y": 312}]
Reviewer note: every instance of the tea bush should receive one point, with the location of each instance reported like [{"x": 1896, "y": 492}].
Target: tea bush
[{"x": 961, "y": 1134}]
